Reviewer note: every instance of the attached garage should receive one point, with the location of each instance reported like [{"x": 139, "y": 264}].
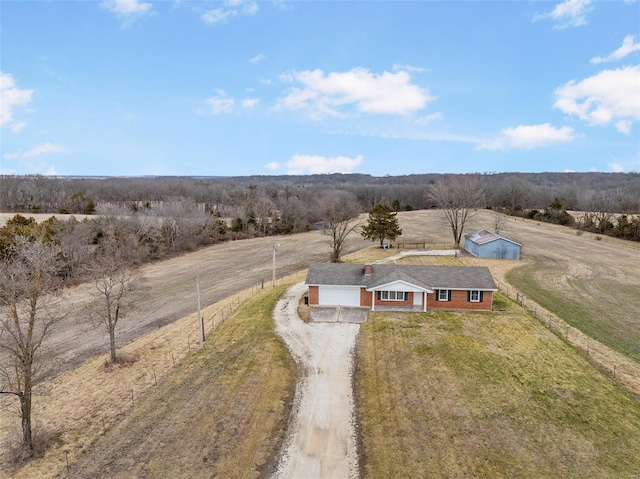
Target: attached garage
[{"x": 339, "y": 296}]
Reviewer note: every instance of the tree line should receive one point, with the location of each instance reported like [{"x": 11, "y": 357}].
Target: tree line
[{"x": 174, "y": 214}]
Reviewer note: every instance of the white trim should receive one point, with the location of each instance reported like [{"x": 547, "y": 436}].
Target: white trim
[
  {"x": 400, "y": 286},
  {"x": 382, "y": 293}
]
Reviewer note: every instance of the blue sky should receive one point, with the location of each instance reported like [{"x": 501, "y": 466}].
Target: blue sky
[{"x": 128, "y": 87}]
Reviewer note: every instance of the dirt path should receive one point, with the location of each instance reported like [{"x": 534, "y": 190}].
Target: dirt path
[{"x": 322, "y": 438}]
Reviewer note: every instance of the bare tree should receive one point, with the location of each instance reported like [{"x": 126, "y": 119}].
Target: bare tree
[
  {"x": 341, "y": 214},
  {"x": 457, "y": 197},
  {"x": 600, "y": 205},
  {"x": 499, "y": 222},
  {"x": 28, "y": 285},
  {"x": 115, "y": 283}
]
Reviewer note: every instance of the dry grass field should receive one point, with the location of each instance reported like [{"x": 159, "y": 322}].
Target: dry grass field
[
  {"x": 221, "y": 412},
  {"x": 590, "y": 282},
  {"x": 487, "y": 395},
  {"x": 508, "y": 367}
]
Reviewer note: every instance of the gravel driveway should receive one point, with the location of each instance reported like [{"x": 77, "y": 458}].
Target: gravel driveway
[{"x": 321, "y": 437}]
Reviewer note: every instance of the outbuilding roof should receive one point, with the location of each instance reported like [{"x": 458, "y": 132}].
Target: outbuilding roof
[
  {"x": 484, "y": 236},
  {"x": 425, "y": 277}
]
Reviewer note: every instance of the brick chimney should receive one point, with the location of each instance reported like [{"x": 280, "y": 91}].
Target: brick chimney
[{"x": 367, "y": 270}]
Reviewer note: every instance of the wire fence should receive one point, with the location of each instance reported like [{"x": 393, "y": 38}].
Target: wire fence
[
  {"x": 144, "y": 364},
  {"x": 620, "y": 368}
]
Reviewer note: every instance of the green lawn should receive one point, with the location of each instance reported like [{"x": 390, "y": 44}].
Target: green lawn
[
  {"x": 487, "y": 395},
  {"x": 603, "y": 309}
]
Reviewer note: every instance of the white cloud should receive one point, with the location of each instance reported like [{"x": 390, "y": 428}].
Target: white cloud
[
  {"x": 429, "y": 118},
  {"x": 274, "y": 165},
  {"x": 128, "y": 10},
  {"x": 250, "y": 102},
  {"x": 609, "y": 96},
  {"x": 628, "y": 47},
  {"x": 616, "y": 167},
  {"x": 16, "y": 127},
  {"x": 230, "y": 9},
  {"x": 408, "y": 68},
  {"x": 359, "y": 90},
  {"x": 38, "y": 150},
  {"x": 310, "y": 164},
  {"x": 11, "y": 97},
  {"x": 220, "y": 103},
  {"x": 570, "y": 13},
  {"x": 257, "y": 59},
  {"x": 528, "y": 137}
]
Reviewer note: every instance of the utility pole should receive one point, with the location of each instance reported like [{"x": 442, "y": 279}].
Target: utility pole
[
  {"x": 200, "y": 322},
  {"x": 275, "y": 247}
]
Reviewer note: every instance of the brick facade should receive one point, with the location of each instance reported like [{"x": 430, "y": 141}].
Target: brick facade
[
  {"x": 365, "y": 298},
  {"x": 459, "y": 301},
  {"x": 407, "y": 303},
  {"x": 314, "y": 295}
]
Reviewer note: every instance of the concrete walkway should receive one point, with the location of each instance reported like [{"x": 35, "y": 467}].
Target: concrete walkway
[{"x": 338, "y": 314}]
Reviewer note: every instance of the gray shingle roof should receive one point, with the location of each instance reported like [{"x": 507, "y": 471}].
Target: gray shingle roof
[
  {"x": 484, "y": 236},
  {"x": 427, "y": 277}
]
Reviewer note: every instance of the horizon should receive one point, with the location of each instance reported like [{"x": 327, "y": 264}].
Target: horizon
[{"x": 241, "y": 88}]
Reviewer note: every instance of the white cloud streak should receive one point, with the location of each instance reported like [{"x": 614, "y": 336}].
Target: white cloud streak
[
  {"x": 257, "y": 59},
  {"x": 230, "y": 9},
  {"x": 570, "y": 13},
  {"x": 408, "y": 68},
  {"x": 250, "y": 102},
  {"x": 38, "y": 150},
  {"x": 355, "y": 91},
  {"x": 628, "y": 47},
  {"x": 10, "y": 98},
  {"x": 611, "y": 96},
  {"x": 528, "y": 137},
  {"x": 311, "y": 164}
]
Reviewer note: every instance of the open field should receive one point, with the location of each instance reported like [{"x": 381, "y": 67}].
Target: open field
[
  {"x": 221, "y": 413},
  {"x": 228, "y": 268},
  {"x": 605, "y": 309},
  {"x": 487, "y": 395},
  {"x": 224, "y": 269},
  {"x": 591, "y": 284}
]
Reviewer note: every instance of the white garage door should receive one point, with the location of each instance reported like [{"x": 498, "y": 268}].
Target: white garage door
[{"x": 339, "y": 296}]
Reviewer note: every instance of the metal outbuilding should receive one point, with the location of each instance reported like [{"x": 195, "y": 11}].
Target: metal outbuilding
[{"x": 485, "y": 244}]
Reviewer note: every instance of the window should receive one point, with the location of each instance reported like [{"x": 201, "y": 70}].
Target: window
[
  {"x": 475, "y": 296},
  {"x": 392, "y": 295},
  {"x": 444, "y": 295}
]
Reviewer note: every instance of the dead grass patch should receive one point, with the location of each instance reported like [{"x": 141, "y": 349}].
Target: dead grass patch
[
  {"x": 123, "y": 360},
  {"x": 88, "y": 402},
  {"x": 487, "y": 395},
  {"x": 222, "y": 413},
  {"x": 304, "y": 310}
]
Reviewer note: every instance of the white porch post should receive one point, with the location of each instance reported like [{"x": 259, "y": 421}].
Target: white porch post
[{"x": 373, "y": 300}]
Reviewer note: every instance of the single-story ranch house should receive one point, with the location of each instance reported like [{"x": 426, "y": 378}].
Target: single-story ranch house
[
  {"x": 485, "y": 244},
  {"x": 401, "y": 287}
]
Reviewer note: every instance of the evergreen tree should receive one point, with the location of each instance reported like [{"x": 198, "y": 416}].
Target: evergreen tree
[{"x": 382, "y": 224}]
